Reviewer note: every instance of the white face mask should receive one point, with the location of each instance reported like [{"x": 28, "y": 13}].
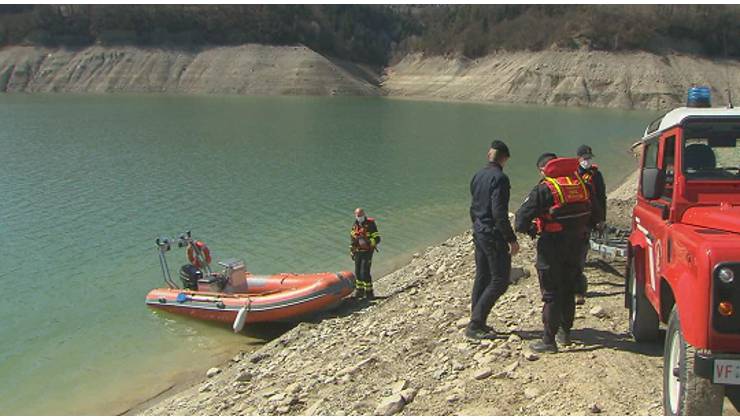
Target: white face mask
[
  {"x": 586, "y": 163},
  {"x": 360, "y": 219}
]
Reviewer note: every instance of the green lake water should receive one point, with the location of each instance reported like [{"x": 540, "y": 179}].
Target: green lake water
[{"x": 88, "y": 182}]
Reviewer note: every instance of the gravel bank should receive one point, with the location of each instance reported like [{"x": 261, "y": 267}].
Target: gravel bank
[{"x": 406, "y": 353}]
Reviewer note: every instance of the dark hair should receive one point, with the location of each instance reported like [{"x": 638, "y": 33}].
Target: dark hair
[
  {"x": 500, "y": 146},
  {"x": 544, "y": 158}
]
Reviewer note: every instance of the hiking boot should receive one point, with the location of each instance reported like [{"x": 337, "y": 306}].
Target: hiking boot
[
  {"x": 563, "y": 337},
  {"x": 540, "y": 346},
  {"x": 369, "y": 295},
  {"x": 477, "y": 333},
  {"x": 580, "y": 299},
  {"x": 358, "y": 294},
  {"x": 489, "y": 329}
]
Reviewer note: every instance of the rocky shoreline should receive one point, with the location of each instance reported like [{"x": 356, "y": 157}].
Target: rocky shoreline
[
  {"x": 406, "y": 353},
  {"x": 636, "y": 80}
]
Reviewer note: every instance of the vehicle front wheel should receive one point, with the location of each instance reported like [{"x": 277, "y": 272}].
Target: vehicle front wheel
[
  {"x": 685, "y": 393},
  {"x": 644, "y": 323},
  {"x": 733, "y": 394}
]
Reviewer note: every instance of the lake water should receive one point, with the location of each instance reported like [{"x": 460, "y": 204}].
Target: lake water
[{"x": 88, "y": 182}]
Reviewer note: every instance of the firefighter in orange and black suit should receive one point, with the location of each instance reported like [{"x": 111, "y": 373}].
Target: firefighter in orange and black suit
[
  {"x": 590, "y": 173},
  {"x": 558, "y": 210},
  {"x": 364, "y": 239}
]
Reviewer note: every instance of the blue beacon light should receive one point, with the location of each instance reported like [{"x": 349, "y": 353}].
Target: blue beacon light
[{"x": 699, "y": 97}]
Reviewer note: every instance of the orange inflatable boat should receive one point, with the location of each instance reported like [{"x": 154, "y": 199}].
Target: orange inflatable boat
[{"x": 237, "y": 297}]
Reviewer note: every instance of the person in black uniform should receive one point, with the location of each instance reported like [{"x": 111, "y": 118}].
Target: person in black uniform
[
  {"x": 494, "y": 239},
  {"x": 561, "y": 212},
  {"x": 590, "y": 173},
  {"x": 364, "y": 239}
]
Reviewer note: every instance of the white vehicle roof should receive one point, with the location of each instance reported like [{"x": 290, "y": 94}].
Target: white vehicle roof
[{"x": 677, "y": 115}]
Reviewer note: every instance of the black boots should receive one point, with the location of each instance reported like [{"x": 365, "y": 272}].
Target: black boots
[
  {"x": 476, "y": 332},
  {"x": 540, "y": 346},
  {"x": 563, "y": 337},
  {"x": 362, "y": 294}
]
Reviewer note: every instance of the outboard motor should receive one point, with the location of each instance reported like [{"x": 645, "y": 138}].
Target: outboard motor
[{"x": 189, "y": 275}]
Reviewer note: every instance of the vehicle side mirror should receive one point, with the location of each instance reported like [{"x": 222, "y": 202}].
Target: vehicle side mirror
[{"x": 652, "y": 183}]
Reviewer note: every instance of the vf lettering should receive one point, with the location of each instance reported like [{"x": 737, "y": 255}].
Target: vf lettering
[{"x": 727, "y": 371}]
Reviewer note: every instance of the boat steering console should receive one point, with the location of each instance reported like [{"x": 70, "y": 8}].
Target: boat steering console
[{"x": 198, "y": 274}]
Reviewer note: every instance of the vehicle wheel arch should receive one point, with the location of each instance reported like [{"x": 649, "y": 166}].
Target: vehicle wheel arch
[
  {"x": 667, "y": 300},
  {"x": 634, "y": 253}
]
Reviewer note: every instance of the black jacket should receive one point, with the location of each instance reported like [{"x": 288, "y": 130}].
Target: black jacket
[
  {"x": 489, "y": 206},
  {"x": 539, "y": 201},
  {"x": 599, "y": 190}
]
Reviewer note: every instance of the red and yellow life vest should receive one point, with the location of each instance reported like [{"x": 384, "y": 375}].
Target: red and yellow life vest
[
  {"x": 570, "y": 195},
  {"x": 362, "y": 238},
  {"x": 588, "y": 175}
]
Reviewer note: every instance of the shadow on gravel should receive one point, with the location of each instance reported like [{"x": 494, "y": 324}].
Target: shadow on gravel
[
  {"x": 607, "y": 283},
  {"x": 604, "y": 266},
  {"x": 347, "y": 308},
  {"x": 594, "y": 339},
  {"x": 622, "y": 342},
  {"x": 603, "y": 294}
]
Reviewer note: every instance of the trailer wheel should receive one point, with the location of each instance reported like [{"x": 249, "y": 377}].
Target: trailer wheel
[
  {"x": 685, "y": 393},
  {"x": 644, "y": 322}
]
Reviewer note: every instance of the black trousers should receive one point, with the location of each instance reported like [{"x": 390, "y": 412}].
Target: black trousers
[
  {"x": 363, "y": 262},
  {"x": 492, "y": 270},
  {"x": 582, "y": 285},
  {"x": 559, "y": 257}
]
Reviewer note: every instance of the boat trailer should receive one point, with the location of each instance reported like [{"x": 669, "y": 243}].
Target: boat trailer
[{"x": 611, "y": 242}]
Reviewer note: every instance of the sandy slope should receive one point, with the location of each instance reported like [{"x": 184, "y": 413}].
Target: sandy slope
[
  {"x": 569, "y": 78},
  {"x": 247, "y": 69}
]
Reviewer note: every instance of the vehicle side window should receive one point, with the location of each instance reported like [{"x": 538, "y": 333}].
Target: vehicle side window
[
  {"x": 669, "y": 155},
  {"x": 651, "y": 155}
]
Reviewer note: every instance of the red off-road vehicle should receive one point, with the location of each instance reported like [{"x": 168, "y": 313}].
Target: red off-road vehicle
[{"x": 684, "y": 255}]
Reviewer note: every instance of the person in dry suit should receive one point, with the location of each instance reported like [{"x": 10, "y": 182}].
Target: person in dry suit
[
  {"x": 364, "y": 239},
  {"x": 494, "y": 239},
  {"x": 558, "y": 210},
  {"x": 590, "y": 174}
]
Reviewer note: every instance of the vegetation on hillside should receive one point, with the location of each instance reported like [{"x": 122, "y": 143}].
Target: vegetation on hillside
[
  {"x": 375, "y": 33},
  {"x": 476, "y": 30},
  {"x": 358, "y": 32}
]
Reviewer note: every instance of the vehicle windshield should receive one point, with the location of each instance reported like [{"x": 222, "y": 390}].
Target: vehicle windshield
[{"x": 710, "y": 150}]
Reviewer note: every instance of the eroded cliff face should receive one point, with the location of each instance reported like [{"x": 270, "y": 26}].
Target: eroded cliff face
[
  {"x": 564, "y": 78},
  {"x": 247, "y": 69}
]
